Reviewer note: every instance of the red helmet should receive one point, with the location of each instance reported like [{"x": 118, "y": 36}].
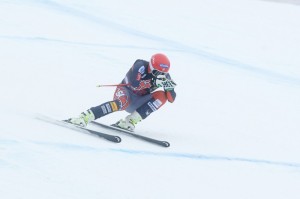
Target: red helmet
[{"x": 159, "y": 64}]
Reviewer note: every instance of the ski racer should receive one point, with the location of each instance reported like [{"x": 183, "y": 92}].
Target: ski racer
[{"x": 138, "y": 94}]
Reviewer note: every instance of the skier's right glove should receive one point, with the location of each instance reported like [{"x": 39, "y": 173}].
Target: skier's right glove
[{"x": 163, "y": 81}]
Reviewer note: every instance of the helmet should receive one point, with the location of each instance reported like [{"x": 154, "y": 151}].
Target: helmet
[{"x": 159, "y": 64}]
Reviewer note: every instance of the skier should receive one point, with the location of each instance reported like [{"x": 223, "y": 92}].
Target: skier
[{"x": 138, "y": 95}]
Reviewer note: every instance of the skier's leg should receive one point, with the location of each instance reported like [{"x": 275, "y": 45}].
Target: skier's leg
[
  {"x": 157, "y": 100},
  {"x": 120, "y": 102},
  {"x": 94, "y": 113},
  {"x": 150, "y": 104}
]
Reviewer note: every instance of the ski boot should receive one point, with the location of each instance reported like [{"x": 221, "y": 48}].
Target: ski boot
[
  {"x": 129, "y": 122},
  {"x": 83, "y": 119}
]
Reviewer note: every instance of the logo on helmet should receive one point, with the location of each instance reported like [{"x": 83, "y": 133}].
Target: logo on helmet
[{"x": 163, "y": 65}]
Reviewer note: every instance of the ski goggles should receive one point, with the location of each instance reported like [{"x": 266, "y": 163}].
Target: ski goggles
[{"x": 154, "y": 71}]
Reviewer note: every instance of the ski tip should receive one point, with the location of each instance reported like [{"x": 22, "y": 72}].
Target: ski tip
[
  {"x": 166, "y": 144},
  {"x": 115, "y": 139},
  {"x": 118, "y": 139}
]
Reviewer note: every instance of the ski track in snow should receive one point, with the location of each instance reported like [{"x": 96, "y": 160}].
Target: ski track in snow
[
  {"x": 173, "y": 45},
  {"x": 43, "y": 39},
  {"x": 197, "y": 157},
  {"x": 271, "y": 75}
]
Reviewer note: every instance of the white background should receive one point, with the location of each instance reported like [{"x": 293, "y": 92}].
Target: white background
[{"x": 234, "y": 127}]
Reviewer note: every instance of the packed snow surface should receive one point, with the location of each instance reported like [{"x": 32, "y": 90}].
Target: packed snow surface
[{"x": 234, "y": 127}]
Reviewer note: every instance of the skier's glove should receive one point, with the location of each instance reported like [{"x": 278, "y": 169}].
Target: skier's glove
[{"x": 163, "y": 81}]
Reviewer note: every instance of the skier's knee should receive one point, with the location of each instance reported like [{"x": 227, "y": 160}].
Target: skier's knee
[
  {"x": 121, "y": 98},
  {"x": 160, "y": 98}
]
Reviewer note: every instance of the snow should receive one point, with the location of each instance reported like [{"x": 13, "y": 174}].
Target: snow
[{"x": 234, "y": 127}]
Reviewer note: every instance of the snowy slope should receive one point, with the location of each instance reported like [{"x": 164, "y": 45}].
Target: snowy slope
[{"x": 234, "y": 127}]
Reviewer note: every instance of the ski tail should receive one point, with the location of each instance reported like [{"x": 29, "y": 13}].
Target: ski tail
[{"x": 64, "y": 123}]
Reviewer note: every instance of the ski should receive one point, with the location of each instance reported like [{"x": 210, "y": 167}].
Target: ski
[
  {"x": 148, "y": 139},
  {"x": 62, "y": 123}
]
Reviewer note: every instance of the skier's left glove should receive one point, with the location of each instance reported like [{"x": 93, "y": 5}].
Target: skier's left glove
[{"x": 163, "y": 81}]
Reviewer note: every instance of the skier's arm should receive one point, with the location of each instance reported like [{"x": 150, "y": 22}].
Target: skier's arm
[
  {"x": 168, "y": 84},
  {"x": 137, "y": 70},
  {"x": 171, "y": 95}
]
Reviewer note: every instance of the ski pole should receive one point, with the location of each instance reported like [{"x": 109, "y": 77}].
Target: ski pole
[{"x": 107, "y": 85}]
